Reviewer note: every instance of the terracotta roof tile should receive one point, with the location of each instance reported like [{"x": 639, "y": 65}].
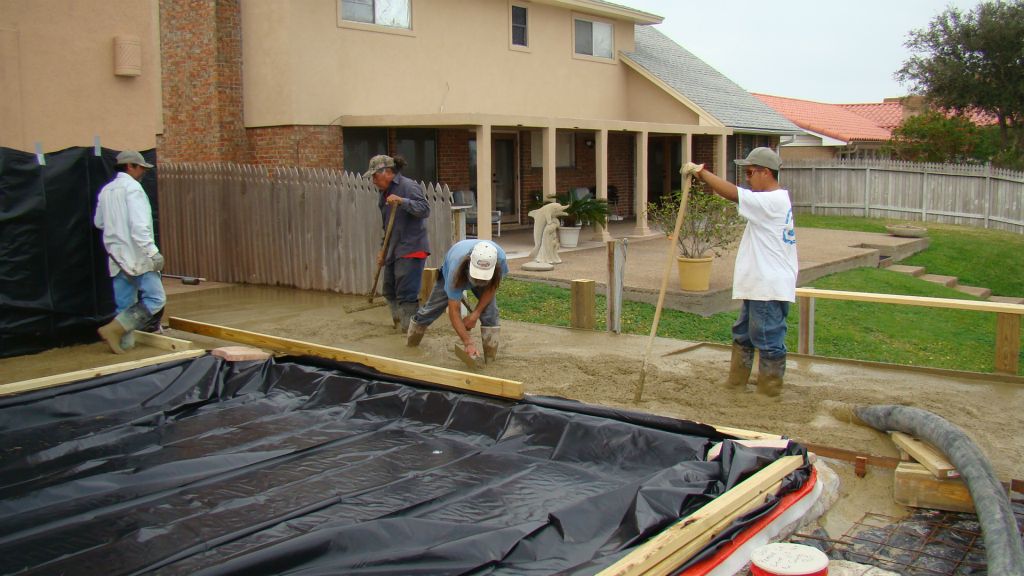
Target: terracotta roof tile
[
  {"x": 888, "y": 115},
  {"x": 832, "y": 120}
]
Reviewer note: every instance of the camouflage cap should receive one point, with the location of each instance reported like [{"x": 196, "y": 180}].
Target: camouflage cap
[{"x": 378, "y": 163}]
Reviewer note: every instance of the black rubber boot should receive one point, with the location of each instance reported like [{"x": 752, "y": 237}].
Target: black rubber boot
[
  {"x": 740, "y": 365},
  {"x": 406, "y": 310},
  {"x": 395, "y": 317},
  {"x": 770, "y": 373}
]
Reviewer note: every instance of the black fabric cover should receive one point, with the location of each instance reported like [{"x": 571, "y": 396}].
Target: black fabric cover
[
  {"x": 54, "y": 285},
  {"x": 282, "y": 467}
]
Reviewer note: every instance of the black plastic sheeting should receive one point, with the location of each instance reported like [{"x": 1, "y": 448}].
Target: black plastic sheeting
[
  {"x": 54, "y": 285},
  {"x": 297, "y": 467}
]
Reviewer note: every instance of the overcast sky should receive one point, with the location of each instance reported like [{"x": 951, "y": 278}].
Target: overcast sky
[{"x": 821, "y": 50}]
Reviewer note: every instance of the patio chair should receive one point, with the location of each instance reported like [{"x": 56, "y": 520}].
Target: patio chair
[{"x": 468, "y": 198}]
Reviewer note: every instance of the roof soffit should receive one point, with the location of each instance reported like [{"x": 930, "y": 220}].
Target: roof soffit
[{"x": 606, "y": 9}]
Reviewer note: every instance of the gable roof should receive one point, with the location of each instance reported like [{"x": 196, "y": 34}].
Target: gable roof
[
  {"x": 607, "y": 9},
  {"x": 829, "y": 119},
  {"x": 694, "y": 80}
]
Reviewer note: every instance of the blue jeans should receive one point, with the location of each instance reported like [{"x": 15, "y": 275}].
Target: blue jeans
[
  {"x": 402, "y": 279},
  {"x": 437, "y": 304},
  {"x": 762, "y": 325},
  {"x": 127, "y": 291}
]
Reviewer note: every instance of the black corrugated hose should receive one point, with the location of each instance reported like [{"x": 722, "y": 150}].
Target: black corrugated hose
[{"x": 995, "y": 513}]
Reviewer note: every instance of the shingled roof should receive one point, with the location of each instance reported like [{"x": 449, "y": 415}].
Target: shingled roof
[{"x": 691, "y": 78}]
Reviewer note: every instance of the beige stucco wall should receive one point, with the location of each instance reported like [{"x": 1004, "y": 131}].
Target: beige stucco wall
[
  {"x": 788, "y": 153},
  {"x": 649, "y": 104},
  {"x": 57, "y": 82},
  {"x": 302, "y": 68}
]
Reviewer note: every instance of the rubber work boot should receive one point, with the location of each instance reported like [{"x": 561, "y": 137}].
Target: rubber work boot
[
  {"x": 415, "y": 334},
  {"x": 740, "y": 365},
  {"x": 153, "y": 325},
  {"x": 770, "y": 372},
  {"x": 395, "y": 318},
  {"x": 128, "y": 320},
  {"x": 491, "y": 335},
  {"x": 406, "y": 310}
]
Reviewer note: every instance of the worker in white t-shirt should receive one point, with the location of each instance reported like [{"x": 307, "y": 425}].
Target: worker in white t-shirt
[{"x": 766, "y": 268}]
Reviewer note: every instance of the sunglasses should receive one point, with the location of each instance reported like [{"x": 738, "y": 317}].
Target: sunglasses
[{"x": 750, "y": 171}]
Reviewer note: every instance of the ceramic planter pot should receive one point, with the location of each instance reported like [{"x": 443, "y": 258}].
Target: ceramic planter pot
[
  {"x": 694, "y": 273},
  {"x": 569, "y": 236}
]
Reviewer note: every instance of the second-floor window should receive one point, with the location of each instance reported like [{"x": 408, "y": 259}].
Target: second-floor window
[
  {"x": 519, "y": 29},
  {"x": 393, "y": 13},
  {"x": 594, "y": 38}
]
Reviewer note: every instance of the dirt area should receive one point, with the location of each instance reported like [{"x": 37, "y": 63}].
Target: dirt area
[{"x": 683, "y": 378}]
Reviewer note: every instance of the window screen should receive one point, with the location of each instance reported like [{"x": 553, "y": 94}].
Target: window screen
[
  {"x": 361, "y": 144},
  {"x": 393, "y": 13},
  {"x": 594, "y": 38},
  {"x": 419, "y": 148},
  {"x": 519, "y": 36}
]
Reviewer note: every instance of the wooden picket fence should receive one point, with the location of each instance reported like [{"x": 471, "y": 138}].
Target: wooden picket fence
[
  {"x": 947, "y": 193},
  {"x": 309, "y": 228}
]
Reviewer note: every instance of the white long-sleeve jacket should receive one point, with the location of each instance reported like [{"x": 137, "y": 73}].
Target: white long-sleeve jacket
[{"x": 124, "y": 215}]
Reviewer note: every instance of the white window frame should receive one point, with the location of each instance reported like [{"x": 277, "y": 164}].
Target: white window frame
[
  {"x": 374, "y": 27},
  {"x": 511, "y": 36},
  {"x": 593, "y": 21}
]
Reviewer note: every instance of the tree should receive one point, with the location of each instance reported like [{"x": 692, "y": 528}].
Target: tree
[
  {"x": 933, "y": 136},
  {"x": 974, "y": 60}
]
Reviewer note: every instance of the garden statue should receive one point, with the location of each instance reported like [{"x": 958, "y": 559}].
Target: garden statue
[{"x": 545, "y": 237}]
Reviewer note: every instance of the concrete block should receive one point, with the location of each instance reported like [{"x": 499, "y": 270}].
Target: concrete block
[
  {"x": 982, "y": 293},
  {"x": 240, "y": 353},
  {"x": 904, "y": 269},
  {"x": 949, "y": 281}
]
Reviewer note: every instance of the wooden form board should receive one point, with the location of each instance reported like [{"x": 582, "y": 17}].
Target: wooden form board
[
  {"x": 440, "y": 376},
  {"x": 663, "y": 553},
  {"x": 68, "y": 377},
  {"x": 914, "y": 485},
  {"x": 926, "y": 455},
  {"x": 161, "y": 341}
]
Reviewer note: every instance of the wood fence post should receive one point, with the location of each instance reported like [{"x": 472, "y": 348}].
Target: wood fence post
[
  {"x": 616, "y": 275},
  {"x": 427, "y": 282},
  {"x": 805, "y": 338},
  {"x": 1007, "y": 342},
  {"x": 582, "y": 304}
]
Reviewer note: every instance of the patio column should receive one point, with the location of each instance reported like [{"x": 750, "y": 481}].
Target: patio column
[
  {"x": 721, "y": 168},
  {"x": 687, "y": 148},
  {"x": 640, "y": 194},
  {"x": 601, "y": 173},
  {"x": 484, "y": 202},
  {"x": 549, "y": 162}
]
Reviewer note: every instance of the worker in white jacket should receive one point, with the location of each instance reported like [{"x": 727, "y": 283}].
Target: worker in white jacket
[{"x": 124, "y": 215}]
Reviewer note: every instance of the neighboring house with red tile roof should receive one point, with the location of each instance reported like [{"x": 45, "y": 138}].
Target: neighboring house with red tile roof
[
  {"x": 831, "y": 130},
  {"x": 887, "y": 114}
]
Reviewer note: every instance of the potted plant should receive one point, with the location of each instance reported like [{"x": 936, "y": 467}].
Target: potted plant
[
  {"x": 711, "y": 224},
  {"x": 580, "y": 212}
]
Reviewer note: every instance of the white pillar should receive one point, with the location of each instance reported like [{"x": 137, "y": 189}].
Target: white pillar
[
  {"x": 550, "y": 161},
  {"x": 484, "y": 202},
  {"x": 601, "y": 169},
  {"x": 640, "y": 194},
  {"x": 721, "y": 159}
]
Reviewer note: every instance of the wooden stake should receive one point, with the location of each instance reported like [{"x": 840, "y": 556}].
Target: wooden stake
[{"x": 664, "y": 285}]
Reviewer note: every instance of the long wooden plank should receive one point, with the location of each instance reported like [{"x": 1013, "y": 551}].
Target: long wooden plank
[
  {"x": 1007, "y": 343},
  {"x": 975, "y": 305},
  {"x": 680, "y": 535},
  {"x": 68, "y": 377},
  {"x": 671, "y": 564},
  {"x": 161, "y": 341},
  {"x": 926, "y": 455},
  {"x": 433, "y": 374}
]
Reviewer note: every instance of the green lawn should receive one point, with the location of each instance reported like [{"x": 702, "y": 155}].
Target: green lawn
[{"x": 910, "y": 335}]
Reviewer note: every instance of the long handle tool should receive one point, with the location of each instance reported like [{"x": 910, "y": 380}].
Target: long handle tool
[
  {"x": 664, "y": 284},
  {"x": 387, "y": 238}
]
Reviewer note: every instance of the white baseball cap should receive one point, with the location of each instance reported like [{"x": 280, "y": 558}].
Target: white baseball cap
[{"x": 483, "y": 260}]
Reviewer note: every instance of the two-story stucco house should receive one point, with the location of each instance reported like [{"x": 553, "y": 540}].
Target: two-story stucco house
[{"x": 512, "y": 99}]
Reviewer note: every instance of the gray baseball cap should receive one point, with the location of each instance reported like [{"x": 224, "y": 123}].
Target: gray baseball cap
[
  {"x": 132, "y": 157},
  {"x": 378, "y": 163},
  {"x": 762, "y": 156}
]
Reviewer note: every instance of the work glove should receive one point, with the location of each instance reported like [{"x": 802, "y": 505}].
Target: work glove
[
  {"x": 691, "y": 169},
  {"x": 158, "y": 261}
]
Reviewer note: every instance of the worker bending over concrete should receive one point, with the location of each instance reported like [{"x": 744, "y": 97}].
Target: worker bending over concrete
[
  {"x": 766, "y": 268},
  {"x": 476, "y": 265}
]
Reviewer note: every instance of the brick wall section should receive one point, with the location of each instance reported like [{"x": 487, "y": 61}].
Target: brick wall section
[
  {"x": 306, "y": 146},
  {"x": 453, "y": 158},
  {"x": 201, "y": 57}
]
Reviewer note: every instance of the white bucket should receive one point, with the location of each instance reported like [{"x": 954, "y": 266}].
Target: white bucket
[{"x": 785, "y": 559}]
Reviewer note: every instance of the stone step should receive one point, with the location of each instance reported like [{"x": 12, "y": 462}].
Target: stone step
[
  {"x": 982, "y": 293},
  {"x": 1006, "y": 299},
  {"x": 904, "y": 269},
  {"x": 949, "y": 281}
]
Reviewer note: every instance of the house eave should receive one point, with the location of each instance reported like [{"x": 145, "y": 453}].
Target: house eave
[
  {"x": 606, "y": 10},
  {"x": 469, "y": 120},
  {"x": 705, "y": 117}
]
